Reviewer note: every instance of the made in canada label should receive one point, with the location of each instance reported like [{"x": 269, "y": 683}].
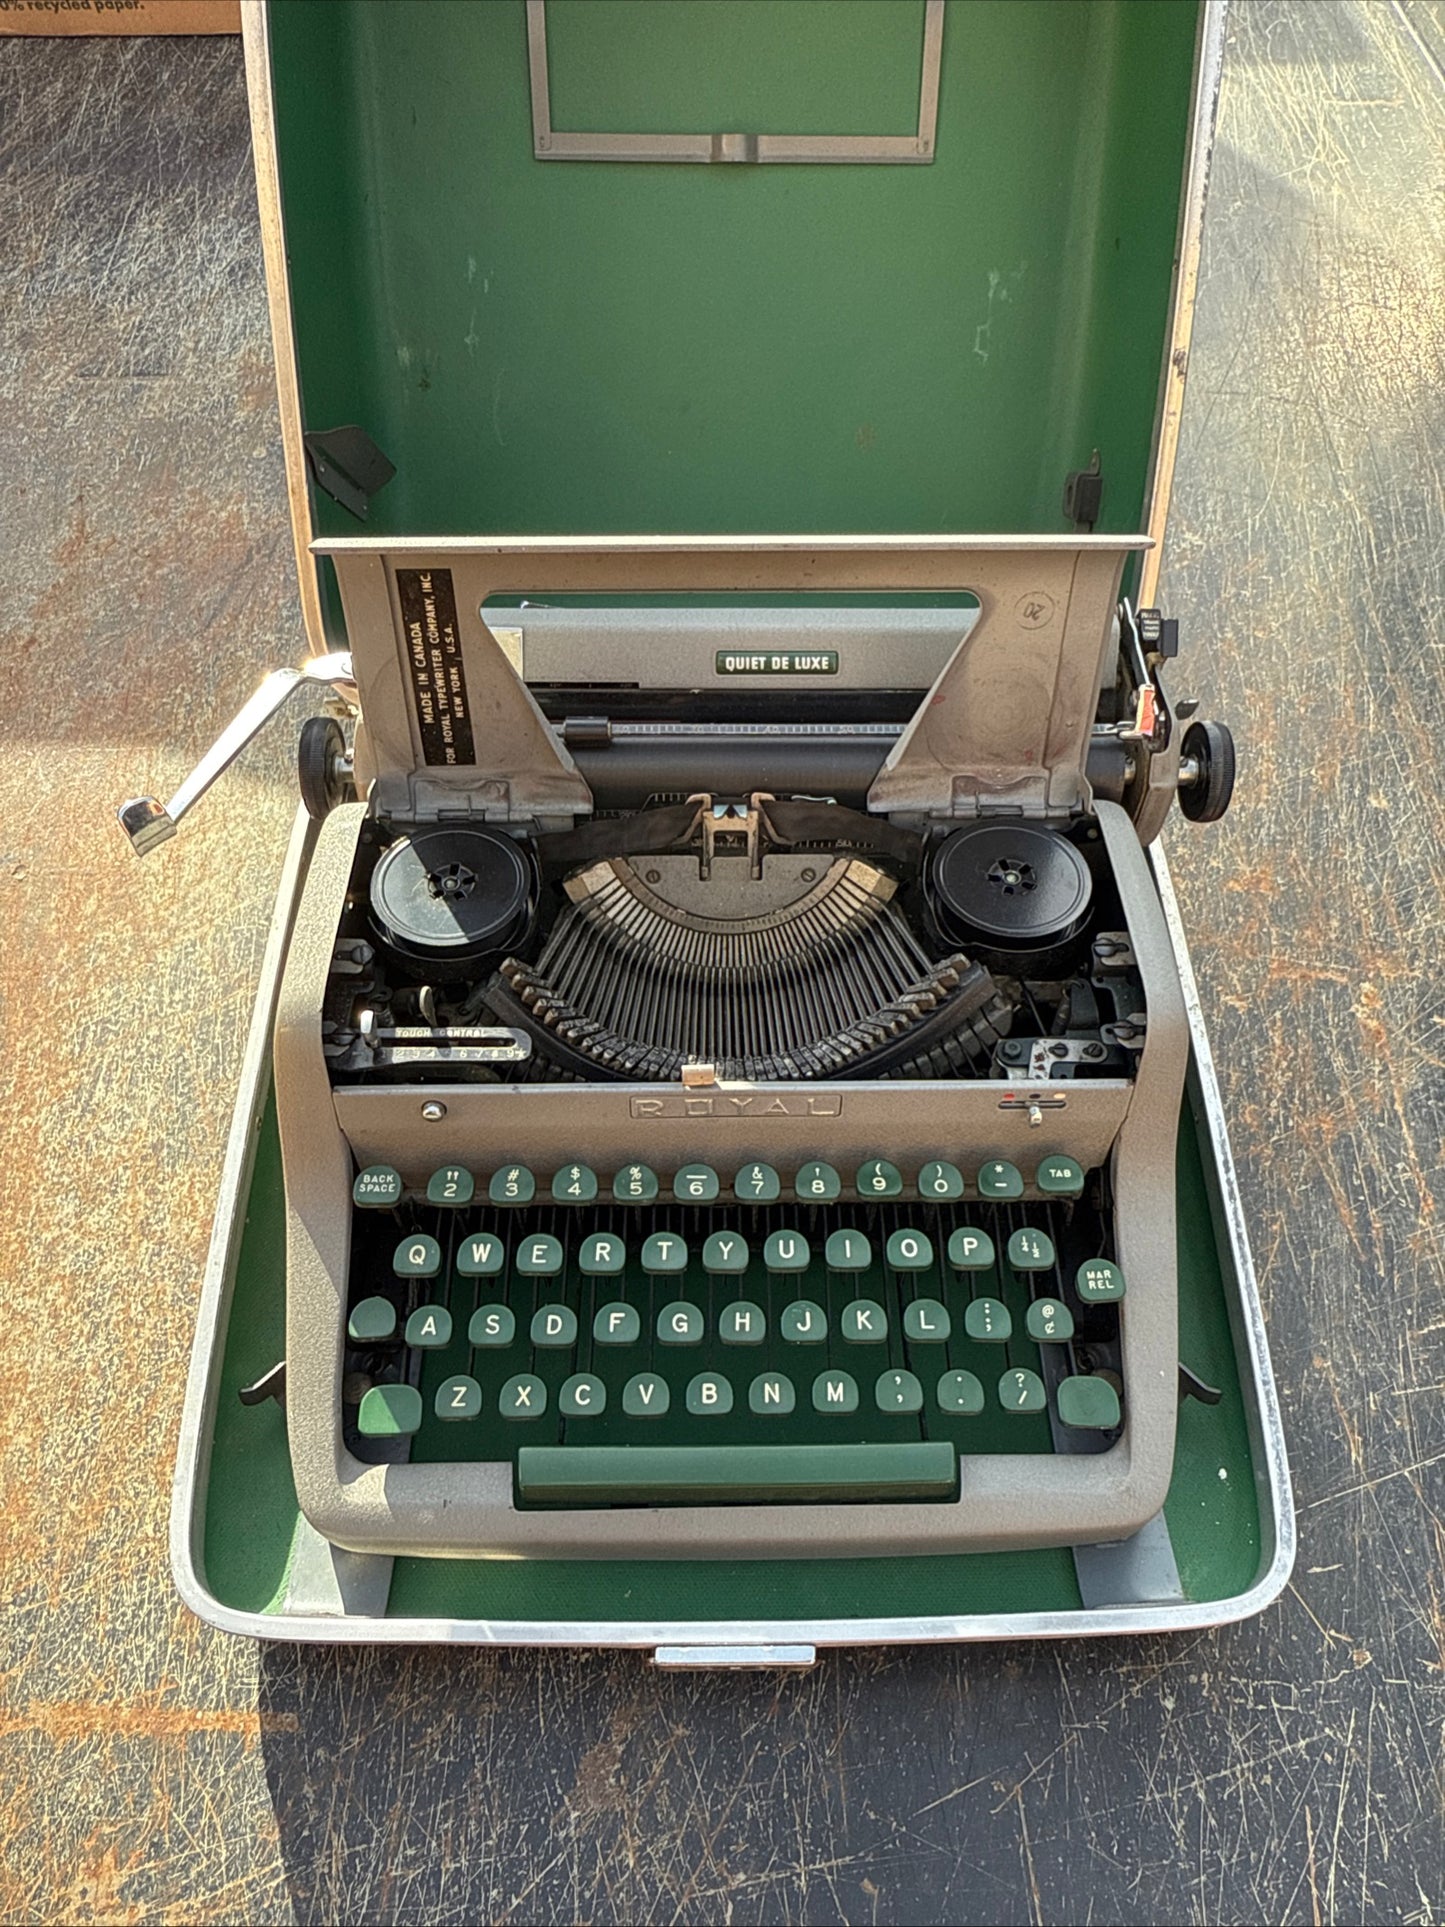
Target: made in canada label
[{"x": 434, "y": 658}]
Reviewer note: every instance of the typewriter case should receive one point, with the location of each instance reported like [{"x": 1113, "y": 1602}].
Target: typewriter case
[{"x": 726, "y": 371}]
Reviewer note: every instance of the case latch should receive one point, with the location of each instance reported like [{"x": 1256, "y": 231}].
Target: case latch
[{"x": 709, "y": 1659}]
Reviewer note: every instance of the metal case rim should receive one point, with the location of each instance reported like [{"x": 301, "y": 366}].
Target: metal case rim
[{"x": 187, "y": 1526}]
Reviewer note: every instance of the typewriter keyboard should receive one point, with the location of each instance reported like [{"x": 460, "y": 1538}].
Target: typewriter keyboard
[{"x": 706, "y": 1336}]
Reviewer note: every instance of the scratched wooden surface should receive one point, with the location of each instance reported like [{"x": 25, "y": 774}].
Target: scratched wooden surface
[{"x": 1286, "y": 1770}]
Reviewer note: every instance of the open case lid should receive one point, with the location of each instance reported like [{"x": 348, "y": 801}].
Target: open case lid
[{"x": 754, "y": 269}]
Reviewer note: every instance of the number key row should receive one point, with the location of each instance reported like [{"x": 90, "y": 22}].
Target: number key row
[{"x": 380, "y": 1187}]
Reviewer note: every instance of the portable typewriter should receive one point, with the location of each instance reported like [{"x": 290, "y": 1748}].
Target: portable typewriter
[
  {"x": 730, "y": 1053},
  {"x": 781, "y": 1168}
]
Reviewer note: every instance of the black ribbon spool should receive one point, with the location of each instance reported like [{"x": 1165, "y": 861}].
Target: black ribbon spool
[
  {"x": 445, "y": 898},
  {"x": 1014, "y": 895}
]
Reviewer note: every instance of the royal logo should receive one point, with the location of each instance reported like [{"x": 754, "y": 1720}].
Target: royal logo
[{"x": 750, "y": 1104}]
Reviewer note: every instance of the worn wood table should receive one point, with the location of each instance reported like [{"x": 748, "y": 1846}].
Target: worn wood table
[{"x": 1290, "y": 1769}]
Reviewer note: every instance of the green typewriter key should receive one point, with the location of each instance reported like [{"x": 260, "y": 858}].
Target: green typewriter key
[
  {"x": 603, "y": 1255},
  {"x": 835, "y": 1392},
  {"x": 523, "y": 1397},
  {"x": 987, "y": 1322},
  {"x": 786, "y": 1251},
  {"x": 771, "y": 1395},
  {"x": 960, "y": 1393},
  {"x": 429, "y": 1328},
  {"x": 1047, "y": 1322},
  {"x": 663, "y": 1253},
  {"x": 818, "y": 1184},
  {"x": 450, "y": 1185},
  {"x": 1099, "y": 1283},
  {"x": 1021, "y": 1391},
  {"x": 941, "y": 1182},
  {"x": 1088, "y": 1404},
  {"x": 583, "y": 1396},
  {"x": 757, "y": 1184},
  {"x": 910, "y": 1251},
  {"x": 635, "y": 1184},
  {"x": 709, "y": 1394},
  {"x": 373, "y": 1320},
  {"x": 725, "y": 1252},
  {"x": 803, "y": 1323},
  {"x": 575, "y": 1184},
  {"x": 847, "y": 1251},
  {"x": 539, "y": 1256},
  {"x": 554, "y": 1328},
  {"x": 492, "y": 1327},
  {"x": 617, "y": 1324},
  {"x": 1000, "y": 1180},
  {"x": 970, "y": 1250},
  {"x": 377, "y": 1188},
  {"x": 1060, "y": 1178},
  {"x": 695, "y": 1184},
  {"x": 679, "y": 1324},
  {"x": 459, "y": 1398},
  {"x": 742, "y": 1323},
  {"x": 480, "y": 1257},
  {"x": 417, "y": 1257},
  {"x": 926, "y": 1322},
  {"x": 898, "y": 1392},
  {"x": 864, "y": 1322},
  {"x": 646, "y": 1396},
  {"x": 879, "y": 1179},
  {"x": 513, "y": 1184},
  {"x": 390, "y": 1412},
  {"x": 1031, "y": 1251}
]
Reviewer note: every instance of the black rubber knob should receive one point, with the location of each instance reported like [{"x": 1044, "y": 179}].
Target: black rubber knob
[
  {"x": 1211, "y": 748},
  {"x": 323, "y": 785}
]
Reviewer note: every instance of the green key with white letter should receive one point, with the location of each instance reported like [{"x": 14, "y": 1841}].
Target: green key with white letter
[
  {"x": 513, "y": 1184},
  {"x": 458, "y": 1398},
  {"x": 377, "y": 1188},
  {"x": 429, "y": 1328},
  {"x": 451, "y": 1185},
  {"x": 1099, "y": 1283},
  {"x": 635, "y": 1184},
  {"x": 999, "y": 1179},
  {"x": 417, "y": 1257},
  {"x": 1060, "y": 1178}
]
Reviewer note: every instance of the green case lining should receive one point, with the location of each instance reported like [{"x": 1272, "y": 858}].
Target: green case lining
[{"x": 596, "y": 346}]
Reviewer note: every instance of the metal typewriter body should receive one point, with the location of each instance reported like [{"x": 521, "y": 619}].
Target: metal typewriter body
[{"x": 1001, "y": 735}]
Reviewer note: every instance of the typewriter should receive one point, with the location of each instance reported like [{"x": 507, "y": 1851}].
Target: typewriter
[{"x": 730, "y": 1052}]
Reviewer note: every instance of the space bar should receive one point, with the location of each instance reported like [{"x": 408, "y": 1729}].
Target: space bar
[{"x": 735, "y": 1474}]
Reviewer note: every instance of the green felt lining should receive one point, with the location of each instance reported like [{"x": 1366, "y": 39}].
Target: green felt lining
[{"x": 586, "y": 346}]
